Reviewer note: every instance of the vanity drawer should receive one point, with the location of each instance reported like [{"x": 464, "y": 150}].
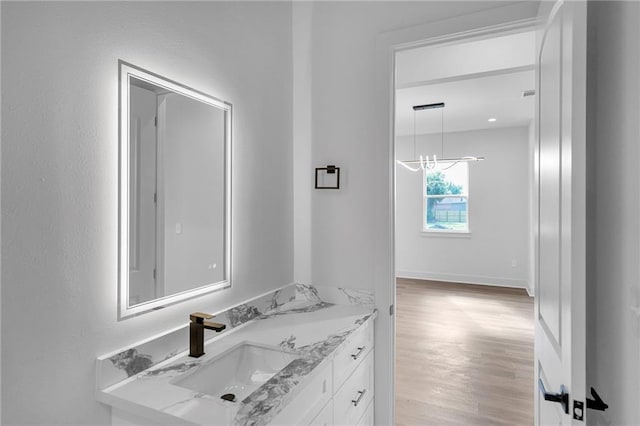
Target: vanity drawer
[
  {"x": 349, "y": 355},
  {"x": 367, "y": 417},
  {"x": 351, "y": 401},
  {"x": 309, "y": 401},
  {"x": 325, "y": 417}
]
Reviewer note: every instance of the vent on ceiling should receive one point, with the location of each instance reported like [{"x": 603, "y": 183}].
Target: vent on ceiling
[{"x": 526, "y": 93}]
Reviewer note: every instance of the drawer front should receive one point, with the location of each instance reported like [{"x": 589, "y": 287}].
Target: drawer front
[
  {"x": 351, "y": 353},
  {"x": 325, "y": 417},
  {"x": 367, "y": 417},
  {"x": 308, "y": 402},
  {"x": 353, "y": 398}
]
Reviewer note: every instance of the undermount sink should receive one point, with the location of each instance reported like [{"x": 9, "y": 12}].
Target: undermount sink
[{"x": 237, "y": 372}]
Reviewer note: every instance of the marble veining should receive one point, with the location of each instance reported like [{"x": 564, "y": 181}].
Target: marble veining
[
  {"x": 262, "y": 405},
  {"x": 288, "y": 343},
  {"x": 346, "y": 296},
  {"x": 137, "y": 358},
  {"x": 309, "y": 292},
  {"x": 277, "y": 300},
  {"x": 258, "y": 408},
  {"x": 174, "y": 369},
  {"x": 241, "y": 314},
  {"x": 358, "y": 297},
  {"x": 131, "y": 361},
  {"x": 362, "y": 320},
  {"x": 310, "y": 321},
  {"x": 304, "y": 309}
]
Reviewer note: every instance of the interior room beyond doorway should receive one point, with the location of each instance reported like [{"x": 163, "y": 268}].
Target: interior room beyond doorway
[{"x": 463, "y": 233}]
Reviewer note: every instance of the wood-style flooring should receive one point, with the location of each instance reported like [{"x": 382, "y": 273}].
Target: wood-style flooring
[{"x": 464, "y": 354}]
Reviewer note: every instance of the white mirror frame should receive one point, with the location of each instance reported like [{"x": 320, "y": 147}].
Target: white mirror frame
[{"x": 126, "y": 71}]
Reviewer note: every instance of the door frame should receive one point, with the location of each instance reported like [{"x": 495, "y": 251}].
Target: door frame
[{"x": 515, "y": 18}]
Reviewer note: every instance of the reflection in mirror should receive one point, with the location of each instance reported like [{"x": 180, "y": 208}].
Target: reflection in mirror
[{"x": 174, "y": 192}]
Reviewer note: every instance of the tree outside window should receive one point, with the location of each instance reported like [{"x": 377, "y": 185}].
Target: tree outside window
[{"x": 446, "y": 198}]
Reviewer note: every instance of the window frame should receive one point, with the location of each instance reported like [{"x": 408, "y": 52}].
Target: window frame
[{"x": 425, "y": 197}]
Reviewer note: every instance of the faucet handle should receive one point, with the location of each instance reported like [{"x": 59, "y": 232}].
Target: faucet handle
[
  {"x": 199, "y": 317},
  {"x": 216, "y": 326}
]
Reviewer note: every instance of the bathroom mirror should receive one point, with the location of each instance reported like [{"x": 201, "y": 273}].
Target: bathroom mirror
[{"x": 175, "y": 192}]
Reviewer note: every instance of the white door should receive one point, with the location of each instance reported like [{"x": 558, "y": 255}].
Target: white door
[{"x": 560, "y": 255}]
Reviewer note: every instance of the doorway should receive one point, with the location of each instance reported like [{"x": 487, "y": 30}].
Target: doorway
[{"x": 464, "y": 144}]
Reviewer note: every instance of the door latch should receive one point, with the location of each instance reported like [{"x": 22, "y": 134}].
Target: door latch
[
  {"x": 597, "y": 403},
  {"x": 578, "y": 410},
  {"x": 562, "y": 398}
]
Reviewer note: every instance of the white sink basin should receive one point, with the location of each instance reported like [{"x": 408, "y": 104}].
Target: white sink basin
[{"x": 239, "y": 370}]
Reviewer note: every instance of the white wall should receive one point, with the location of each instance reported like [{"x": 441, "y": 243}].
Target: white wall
[
  {"x": 469, "y": 57},
  {"x": 346, "y": 128},
  {"x": 351, "y": 84},
  {"x": 302, "y": 166},
  {"x": 60, "y": 177},
  {"x": 613, "y": 289},
  {"x": 498, "y": 211}
]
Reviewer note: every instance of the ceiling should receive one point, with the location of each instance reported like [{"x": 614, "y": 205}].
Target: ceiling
[{"x": 476, "y": 80}]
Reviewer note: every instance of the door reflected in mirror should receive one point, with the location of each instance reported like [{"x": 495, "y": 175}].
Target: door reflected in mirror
[{"x": 175, "y": 156}]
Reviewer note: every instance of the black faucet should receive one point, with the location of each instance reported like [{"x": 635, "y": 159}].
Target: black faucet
[{"x": 196, "y": 332}]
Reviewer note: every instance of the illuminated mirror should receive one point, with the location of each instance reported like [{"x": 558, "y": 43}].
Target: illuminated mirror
[{"x": 175, "y": 192}]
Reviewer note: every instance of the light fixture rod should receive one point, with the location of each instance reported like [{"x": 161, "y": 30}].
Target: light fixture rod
[
  {"x": 448, "y": 160},
  {"x": 428, "y": 106}
]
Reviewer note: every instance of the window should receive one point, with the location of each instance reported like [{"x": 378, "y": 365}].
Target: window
[{"x": 446, "y": 198}]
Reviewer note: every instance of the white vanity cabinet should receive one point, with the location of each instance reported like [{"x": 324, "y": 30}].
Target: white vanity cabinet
[
  {"x": 353, "y": 398},
  {"x": 353, "y": 379},
  {"x": 305, "y": 405},
  {"x": 336, "y": 389},
  {"x": 324, "y": 418},
  {"x": 342, "y": 392}
]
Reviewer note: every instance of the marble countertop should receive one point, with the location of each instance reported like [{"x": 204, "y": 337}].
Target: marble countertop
[{"x": 309, "y": 327}]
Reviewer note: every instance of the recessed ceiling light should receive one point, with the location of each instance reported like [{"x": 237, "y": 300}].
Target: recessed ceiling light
[{"x": 491, "y": 120}]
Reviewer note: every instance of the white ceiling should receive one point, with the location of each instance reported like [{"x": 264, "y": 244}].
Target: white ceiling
[{"x": 476, "y": 80}]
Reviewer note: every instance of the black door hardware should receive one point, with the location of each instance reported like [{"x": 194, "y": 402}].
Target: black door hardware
[
  {"x": 562, "y": 397},
  {"x": 594, "y": 404},
  {"x": 578, "y": 410},
  {"x": 597, "y": 403}
]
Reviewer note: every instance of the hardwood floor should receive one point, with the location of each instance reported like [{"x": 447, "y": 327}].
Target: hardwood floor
[{"x": 464, "y": 354}]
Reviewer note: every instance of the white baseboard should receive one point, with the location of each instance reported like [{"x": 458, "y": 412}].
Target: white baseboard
[{"x": 465, "y": 279}]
